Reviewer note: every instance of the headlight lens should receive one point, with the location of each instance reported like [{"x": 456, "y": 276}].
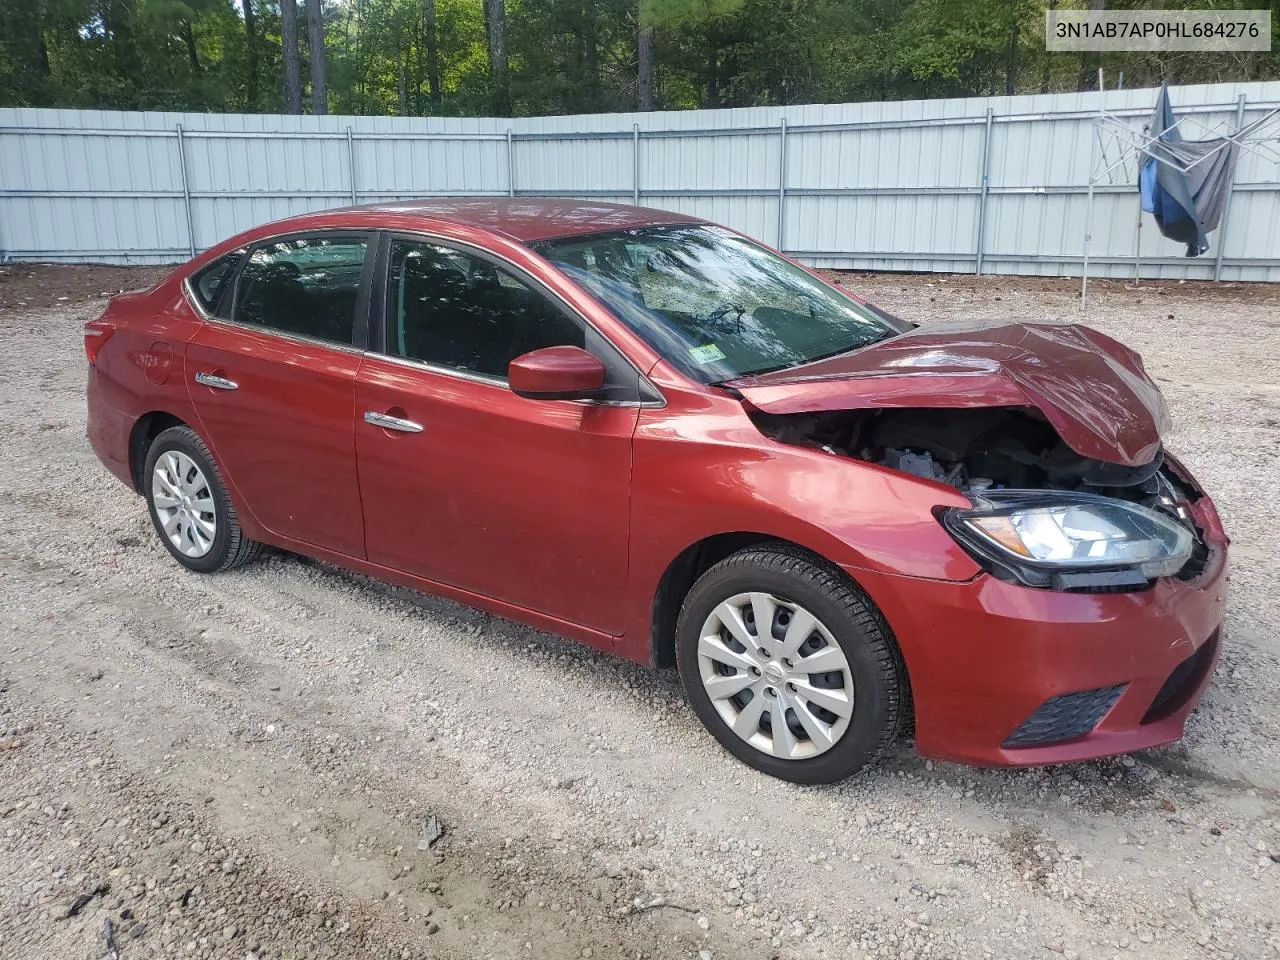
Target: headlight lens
[{"x": 1070, "y": 531}]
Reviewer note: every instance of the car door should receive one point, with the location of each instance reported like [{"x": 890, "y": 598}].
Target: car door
[
  {"x": 467, "y": 484},
  {"x": 272, "y": 378}
]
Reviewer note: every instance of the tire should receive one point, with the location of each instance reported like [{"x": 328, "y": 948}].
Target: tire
[
  {"x": 873, "y": 687},
  {"x": 187, "y": 470}
]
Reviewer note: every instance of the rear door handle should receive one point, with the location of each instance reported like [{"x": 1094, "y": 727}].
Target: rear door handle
[
  {"x": 215, "y": 381},
  {"x": 388, "y": 422}
]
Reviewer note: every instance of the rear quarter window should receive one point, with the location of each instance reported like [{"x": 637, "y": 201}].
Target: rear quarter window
[{"x": 208, "y": 283}]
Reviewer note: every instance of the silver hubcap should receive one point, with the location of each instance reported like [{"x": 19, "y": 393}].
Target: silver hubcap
[
  {"x": 184, "y": 504},
  {"x": 776, "y": 675}
]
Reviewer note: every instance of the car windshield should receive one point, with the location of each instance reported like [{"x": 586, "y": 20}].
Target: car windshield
[{"x": 714, "y": 304}]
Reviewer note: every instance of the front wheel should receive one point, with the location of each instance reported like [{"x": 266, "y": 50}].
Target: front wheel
[
  {"x": 189, "y": 505},
  {"x": 790, "y": 666}
]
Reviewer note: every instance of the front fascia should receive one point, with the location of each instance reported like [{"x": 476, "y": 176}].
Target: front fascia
[{"x": 984, "y": 655}]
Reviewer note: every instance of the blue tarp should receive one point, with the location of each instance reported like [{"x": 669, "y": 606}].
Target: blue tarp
[{"x": 1184, "y": 184}]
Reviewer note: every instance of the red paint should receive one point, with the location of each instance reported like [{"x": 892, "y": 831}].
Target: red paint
[
  {"x": 290, "y": 424},
  {"x": 1091, "y": 388},
  {"x": 524, "y": 501},
  {"x": 96, "y": 333},
  {"x": 983, "y": 655},
  {"x": 555, "y": 373},
  {"x": 527, "y": 219},
  {"x": 159, "y": 362},
  {"x": 566, "y": 515}
]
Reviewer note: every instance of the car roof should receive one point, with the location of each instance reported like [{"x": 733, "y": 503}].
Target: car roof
[{"x": 524, "y": 219}]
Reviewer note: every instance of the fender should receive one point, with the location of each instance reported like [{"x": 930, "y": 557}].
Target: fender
[{"x": 695, "y": 478}]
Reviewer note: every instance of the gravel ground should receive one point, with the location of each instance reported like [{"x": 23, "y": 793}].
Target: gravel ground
[{"x": 241, "y": 766}]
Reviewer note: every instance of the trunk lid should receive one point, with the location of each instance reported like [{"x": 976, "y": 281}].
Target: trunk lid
[{"x": 1092, "y": 389}]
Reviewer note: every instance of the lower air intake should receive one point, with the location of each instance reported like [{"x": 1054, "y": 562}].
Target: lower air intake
[
  {"x": 1065, "y": 717},
  {"x": 1183, "y": 682}
]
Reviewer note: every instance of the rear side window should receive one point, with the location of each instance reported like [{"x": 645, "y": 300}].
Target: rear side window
[
  {"x": 208, "y": 284},
  {"x": 306, "y": 286}
]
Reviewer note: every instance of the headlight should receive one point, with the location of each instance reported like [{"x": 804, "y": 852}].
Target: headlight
[{"x": 1063, "y": 540}]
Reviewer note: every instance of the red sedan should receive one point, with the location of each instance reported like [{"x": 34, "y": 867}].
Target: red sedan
[{"x": 655, "y": 436}]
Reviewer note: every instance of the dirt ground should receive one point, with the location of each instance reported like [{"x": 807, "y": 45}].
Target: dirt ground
[{"x": 242, "y": 766}]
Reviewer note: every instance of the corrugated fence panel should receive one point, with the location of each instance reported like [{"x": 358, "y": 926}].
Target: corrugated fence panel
[
  {"x": 895, "y": 185},
  {"x": 573, "y": 166},
  {"x": 1254, "y": 214},
  {"x": 727, "y": 161},
  {"x": 909, "y": 194},
  {"x": 418, "y": 167},
  {"x": 151, "y": 230},
  {"x": 216, "y": 218}
]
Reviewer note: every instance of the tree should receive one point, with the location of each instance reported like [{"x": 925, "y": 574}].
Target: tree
[
  {"x": 431, "y": 39},
  {"x": 189, "y": 40},
  {"x": 118, "y": 20},
  {"x": 25, "y": 71},
  {"x": 480, "y": 57},
  {"x": 1090, "y": 60},
  {"x": 251, "y": 54},
  {"x": 947, "y": 48},
  {"x": 1011, "y": 77},
  {"x": 1046, "y": 64},
  {"x": 292, "y": 59},
  {"x": 315, "y": 49},
  {"x": 644, "y": 68},
  {"x": 495, "y": 25}
]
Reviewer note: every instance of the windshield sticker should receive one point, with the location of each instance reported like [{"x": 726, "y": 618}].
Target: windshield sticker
[{"x": 708, "y": 353}]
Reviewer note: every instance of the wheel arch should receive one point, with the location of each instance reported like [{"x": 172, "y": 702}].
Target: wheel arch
[
  {"x": 683, "y": 571},
  {"x": 680, "y": 575},
  {"x": 144, "y": 432},
  {"x": 691, "y": 563}
]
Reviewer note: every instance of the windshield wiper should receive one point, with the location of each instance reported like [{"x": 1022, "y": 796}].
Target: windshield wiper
[
  {"x": 795, "y": 364},
  {"x": 719, "y": 313},
  {"x": 885, "y": 335}
]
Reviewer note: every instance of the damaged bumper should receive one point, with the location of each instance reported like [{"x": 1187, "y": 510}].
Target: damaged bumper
[{"x": 1005, "y": 675}]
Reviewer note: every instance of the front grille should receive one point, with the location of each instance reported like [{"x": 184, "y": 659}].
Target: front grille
[
  {"x": 1065, "y": 717},
  {"x": 1182, "y": 683}
]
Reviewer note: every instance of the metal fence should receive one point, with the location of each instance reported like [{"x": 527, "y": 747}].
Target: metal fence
[{"x": 995, "y": 185}]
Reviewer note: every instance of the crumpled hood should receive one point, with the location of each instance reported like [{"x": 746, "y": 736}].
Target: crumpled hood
[{"x": 1093, "y": 390}]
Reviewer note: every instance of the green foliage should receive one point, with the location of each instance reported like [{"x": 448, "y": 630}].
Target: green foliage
[
  {"x": 566, "y": 56},
  {"x": 674, "y": 13}
]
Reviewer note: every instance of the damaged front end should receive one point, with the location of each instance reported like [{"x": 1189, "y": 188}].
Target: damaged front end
[
  {"x": 1053, "y": 432},
  {"x": 1042, "y": 515}
]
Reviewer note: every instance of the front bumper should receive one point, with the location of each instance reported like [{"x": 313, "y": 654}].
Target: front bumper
[{"x": 984, "y": 656}]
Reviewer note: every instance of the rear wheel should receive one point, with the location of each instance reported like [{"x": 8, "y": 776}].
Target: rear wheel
[
  {"x": 189, "y": 506},
  {"x": 790, "y": 666}
]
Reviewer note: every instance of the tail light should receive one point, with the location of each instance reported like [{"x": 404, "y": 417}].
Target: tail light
[{"x": 96, "y": 333}]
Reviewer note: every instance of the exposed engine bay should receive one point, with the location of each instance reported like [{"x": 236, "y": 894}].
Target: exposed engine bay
[{"x": 983, "y": 449}]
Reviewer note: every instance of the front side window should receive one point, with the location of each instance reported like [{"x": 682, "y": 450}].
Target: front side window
[
  {"x": 306, "y": 286},
  {"x": 714, "y": 304},
  {"x": 455, "y": 310},
  {"x": 207, "y": 285}
]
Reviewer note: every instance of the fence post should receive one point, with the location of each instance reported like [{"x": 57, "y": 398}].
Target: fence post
[
  {"x": 1226, "y": 210},
  {"x": 782, "y": 182},
  {"x": 1094, "y": 143},
  {"x": 351, "y": 164},
  {"x": 186, "y": 190},
  {"x": 982, "y": 198},
  {"x": 635, "y": 163},
  {"x": 511, "y": 165}
]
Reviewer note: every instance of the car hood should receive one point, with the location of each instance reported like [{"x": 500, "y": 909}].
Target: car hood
[{"x": 1093, "y": 390}]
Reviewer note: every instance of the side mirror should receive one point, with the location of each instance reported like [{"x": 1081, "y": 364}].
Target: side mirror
[{"x": 556, "y": 373}]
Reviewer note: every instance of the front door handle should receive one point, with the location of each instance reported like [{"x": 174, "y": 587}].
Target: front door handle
[
  {"x": 388, "y": 422},
  {"x": 215, "y": 381}
]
